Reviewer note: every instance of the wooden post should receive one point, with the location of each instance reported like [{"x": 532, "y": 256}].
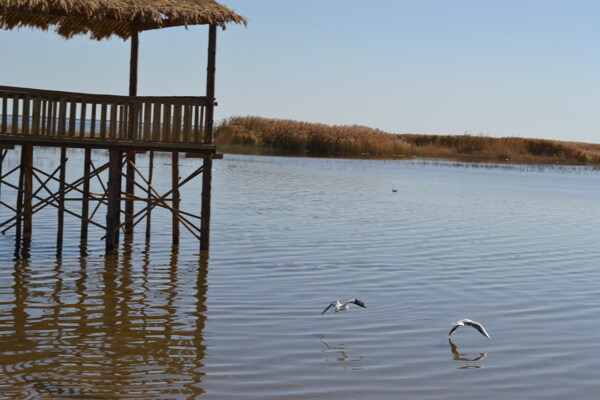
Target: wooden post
[
  {"x": 149, "y": 196},
  {"x": 2, "y": 155},
  {"x": 85, "y": 204},
  {"x": 61, "y": 201},
  {"x": 133, "y": 79},
  {"x": 19, "y": 207},
  {"x": 175, "y": 196},
  {"x": 113, "y": 208},
  {"x": 208, "y": 138},
  {"x": 27, "y": 170},
  {"x": 210, "y": 83}
]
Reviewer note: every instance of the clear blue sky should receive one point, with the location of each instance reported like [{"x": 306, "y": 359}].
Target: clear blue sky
[{"x": 527, "y": 68}]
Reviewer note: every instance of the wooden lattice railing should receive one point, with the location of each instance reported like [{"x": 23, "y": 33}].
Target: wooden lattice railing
[{"x": 80, "y": 116}]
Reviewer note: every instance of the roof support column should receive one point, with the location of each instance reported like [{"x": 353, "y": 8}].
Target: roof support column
[
  {"x": 130, "y": 181},
  {"x": 208, "y": 138}
]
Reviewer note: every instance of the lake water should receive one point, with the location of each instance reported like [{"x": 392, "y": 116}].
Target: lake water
[{"x": 514, "y": 247}]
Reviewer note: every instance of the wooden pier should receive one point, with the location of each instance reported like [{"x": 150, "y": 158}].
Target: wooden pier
[{"x": 120, "y": 125}]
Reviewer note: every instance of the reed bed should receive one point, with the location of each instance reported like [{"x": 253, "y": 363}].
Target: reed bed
[{"x": 256, "y": 134}]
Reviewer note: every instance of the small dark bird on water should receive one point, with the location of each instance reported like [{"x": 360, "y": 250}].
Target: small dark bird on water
[
  {"x": 394, "y": 190},
  {"x": 339, "y": 306},
  {"x": 470, "y": 323}
]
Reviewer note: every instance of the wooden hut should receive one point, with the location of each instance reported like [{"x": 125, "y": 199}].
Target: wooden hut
[{"x": 120, "y": 124}]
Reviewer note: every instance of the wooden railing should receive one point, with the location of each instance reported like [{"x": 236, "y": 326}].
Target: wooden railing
[{"x": 80, "y": 116}]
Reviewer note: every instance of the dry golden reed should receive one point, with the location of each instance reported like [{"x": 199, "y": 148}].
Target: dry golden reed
[{"x": 303, "y": 138}]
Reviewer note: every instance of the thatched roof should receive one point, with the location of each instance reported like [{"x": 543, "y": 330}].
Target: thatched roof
[{"x": 104, "y": 18}]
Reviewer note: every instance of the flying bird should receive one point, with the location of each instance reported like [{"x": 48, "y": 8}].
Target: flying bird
[
  {"x": 338, "y": 306},
  {"x": 470, "y": 323}
]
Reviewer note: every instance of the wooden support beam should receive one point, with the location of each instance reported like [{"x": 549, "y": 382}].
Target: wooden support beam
[
  {"x": 133, "y": 82},
  {"x": 161, "y": 200},
  {"x": 149, "y": 195},
  {"x": 113, "y": 208},
  {"x": 61, "y": 202},
  {"x": 130, "y": 190},
  {"x": 3, "y": 153},
  {"x": 176, "y": 198},
  {"x": 27, "y": 170},
  {"x": 19, "y": 207},
  {"x": 205, "y": 213},
  {"x": 208, "y": 138},
  {"x": 210, "y": 83},
  {"x": 85, "y": 204}
]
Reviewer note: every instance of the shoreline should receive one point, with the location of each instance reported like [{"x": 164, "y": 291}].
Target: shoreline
[{"x": 263, "y": 136}]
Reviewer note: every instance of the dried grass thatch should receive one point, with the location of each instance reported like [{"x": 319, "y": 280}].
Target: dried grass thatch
[{"x": 105, "y": 18}]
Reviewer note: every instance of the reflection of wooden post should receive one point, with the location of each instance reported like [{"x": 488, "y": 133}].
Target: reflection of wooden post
[
  {"x": 27, "y": 170},
  {"x": 175, "y": 196},
  {"x": 113, "y": 207},
  {"x": 85, "y": 205},
  {"x": 130, "y": 184},
  {"x": 61, "y": 201},
  {"x": 208, "y": 138}
]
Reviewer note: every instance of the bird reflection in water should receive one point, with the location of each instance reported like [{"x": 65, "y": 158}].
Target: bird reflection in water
[
  {"x": 341, "y": 355},
  {"x": 456, "y": 356}
]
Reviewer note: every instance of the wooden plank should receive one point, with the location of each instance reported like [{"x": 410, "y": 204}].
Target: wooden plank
[
  {"x": 107, "y": 98},
  {"x": 156, "y": 121},
  {"x": 50, "y": 120},
  {"x": 113, "y": 121},
  {"x": 93, "y": 120},
  {"x": 176, "y": 123},
  {"x": 62, "y": 117},
  {"x": 4, "y": 113},
  {"x": 35, "y": 116},
  {"x": 25, "y": 115},
  {"x": 125, "y": 145},
  {"x": 147, "y": 132},
  {"x": 196, "y": 124},
  {"x": 82, "y": 119},
  {"x": 15, "y": 116},
  {"x": 122, "y": 126},
  {"x": 139, "y": 114},
  {"x": 72, "y": 119},
  {"x": 166, "y": 135},
  {"x": 187, "y": 123},
  {"x": 103, "y": 114},
  {"x": 201, "y": 134}
]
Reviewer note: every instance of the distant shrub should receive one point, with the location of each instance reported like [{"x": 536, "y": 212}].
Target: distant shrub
[{"x": 303, "y": 137}]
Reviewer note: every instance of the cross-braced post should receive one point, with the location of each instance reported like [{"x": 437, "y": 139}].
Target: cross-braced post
[
  {"x": 85, "y": 202},
  {"x": 113, "y": 209},
  {"x": 61, "y": 201}
]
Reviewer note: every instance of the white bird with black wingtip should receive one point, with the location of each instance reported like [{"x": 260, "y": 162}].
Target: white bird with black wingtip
[
  {"x": 473, "y": 324},
  {"x": 338, "y": 306}
]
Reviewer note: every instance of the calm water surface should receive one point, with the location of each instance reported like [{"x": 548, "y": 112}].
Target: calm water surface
[{"x": 515, "y": 248}]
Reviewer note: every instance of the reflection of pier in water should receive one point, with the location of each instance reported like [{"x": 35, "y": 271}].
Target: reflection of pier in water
[{"x": 109, "y": 329}]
